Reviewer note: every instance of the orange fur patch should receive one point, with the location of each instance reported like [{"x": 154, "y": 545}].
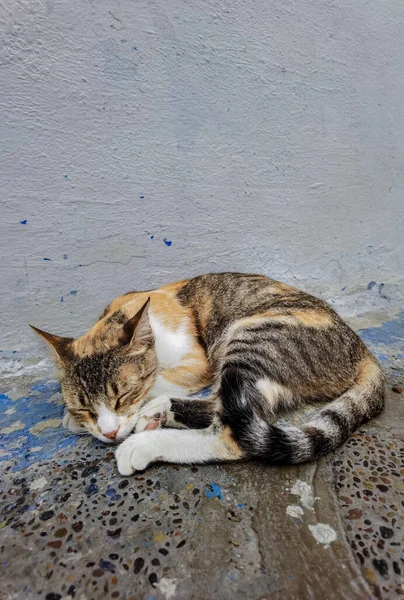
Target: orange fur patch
[
  {"x": 227, "y": 448},
  {"x": 163, "y": 305},
  {"x": 368, "y": 370},
  {"x": 309, "y": 318}
]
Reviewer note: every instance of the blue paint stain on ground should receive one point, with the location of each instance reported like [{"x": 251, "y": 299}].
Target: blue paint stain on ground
[
  {"x": 47, "y": 259},
  {"x": 387, "y": 343},
  {"x": 65, "y": 256},
  {"x": 213, "y": 490},
  {"x": 112, "y": 494},
  {"x": 141, "y": 197},
  {"x": 24, "y": 222},
  {"x": 91, "y": 489},
  {"x": 167, "y": 242},
  {"x": 107, "y": 565},
  {"x": 65, "y": 176},
  {"x": 40, "y": 404},
  {"x": 389, "y": 334}
]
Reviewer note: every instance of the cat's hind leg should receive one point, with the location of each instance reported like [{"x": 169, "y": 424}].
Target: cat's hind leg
[{"x": 176, "y": 446}]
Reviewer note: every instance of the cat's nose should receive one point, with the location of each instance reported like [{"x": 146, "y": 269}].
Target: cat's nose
[{"x": 112, "y": 434}]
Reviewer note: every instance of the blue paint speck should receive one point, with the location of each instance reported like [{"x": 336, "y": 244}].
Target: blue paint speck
[
  {"x": 65, "y": 176},
  {"x": 73, "y": 292},
  {"x": 106, "y": 565},
  {"x": 65, "y": 256},
  {"x": 167, "y": 242},
  {"x": 152, "y": 237},
  {"x": 111, "y": 493},
  {"x": 214, "y": 491},
  {"x": 24, "y": 222},
  {"x": 371, "y": 285},
  {"x": 240, "y": 505},
  {"x": 141, "y": 197},
  {"x": 62, "y": 299},
  {"x": 46, "y": 258},
  {"x": 91, "y": 489},
  {"x": 343, "y": 289},
  {"x": 134, "y": 48}
]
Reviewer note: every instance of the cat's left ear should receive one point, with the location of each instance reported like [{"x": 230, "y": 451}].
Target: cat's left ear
[
  {"x": 137, "y": 328},
  {"x": 61, "y": 345}
]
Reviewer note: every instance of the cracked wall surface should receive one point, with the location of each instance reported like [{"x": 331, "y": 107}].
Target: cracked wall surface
[{"x": 147, "y": 141}]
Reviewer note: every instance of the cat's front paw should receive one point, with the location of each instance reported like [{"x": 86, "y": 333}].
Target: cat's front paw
[
  {"x": 69, "y": 422},
  {"x": 134, "y": 454},
  {"x": 153, "y": 414}
]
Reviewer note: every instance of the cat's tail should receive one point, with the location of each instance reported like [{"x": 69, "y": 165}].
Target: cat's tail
[{"x": 323, "y": 433}]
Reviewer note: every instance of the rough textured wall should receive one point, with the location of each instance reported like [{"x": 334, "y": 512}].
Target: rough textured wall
[{"x": 145, "y": 141}]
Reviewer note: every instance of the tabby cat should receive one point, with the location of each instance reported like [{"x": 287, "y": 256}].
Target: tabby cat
[{"x": 264, "y": 347}]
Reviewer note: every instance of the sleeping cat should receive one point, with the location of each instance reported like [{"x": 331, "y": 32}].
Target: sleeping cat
[{"x": 264, "y": 347}]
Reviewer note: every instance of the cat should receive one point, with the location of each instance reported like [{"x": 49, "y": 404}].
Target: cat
[{"x": 264, "y": 348}]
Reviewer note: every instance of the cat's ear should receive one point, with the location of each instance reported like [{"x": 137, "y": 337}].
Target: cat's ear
[
  {"x": 61, "y": 345},
  {"x": 137, "y": 328}
]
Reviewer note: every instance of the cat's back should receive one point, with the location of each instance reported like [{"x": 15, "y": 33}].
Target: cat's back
[
  {"x": 239, "y": 295},
  {"x": 219, "y": 299}
]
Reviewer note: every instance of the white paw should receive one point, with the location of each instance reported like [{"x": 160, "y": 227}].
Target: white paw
[
  {"x": 71, "y": 423},
  {"x": 153, "y": 414},
  {"x": 134, "y": 454}
]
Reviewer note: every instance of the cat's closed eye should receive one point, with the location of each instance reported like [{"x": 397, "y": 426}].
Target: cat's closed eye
[
  {"x": 84, "y": 414},
  {"x": 123, "y": 398}
]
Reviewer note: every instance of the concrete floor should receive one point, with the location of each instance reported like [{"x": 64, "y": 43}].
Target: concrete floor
[{"x": 71, "y": 527}]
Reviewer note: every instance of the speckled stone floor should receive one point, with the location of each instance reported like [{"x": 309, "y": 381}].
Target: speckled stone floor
[{"x": 71, "y": 527}]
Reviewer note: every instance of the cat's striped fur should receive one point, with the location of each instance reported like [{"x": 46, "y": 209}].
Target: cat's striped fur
[{"x": 265, "y": 348}]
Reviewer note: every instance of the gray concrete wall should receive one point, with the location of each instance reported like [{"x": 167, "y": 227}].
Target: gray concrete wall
[{"x": 145, "y": 141}]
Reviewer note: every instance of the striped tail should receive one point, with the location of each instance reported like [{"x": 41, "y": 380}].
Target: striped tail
[{"x": 242, "y": 411}]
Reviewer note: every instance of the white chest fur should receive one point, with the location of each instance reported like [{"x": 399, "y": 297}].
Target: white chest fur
[{"x": 171, "y": 346}]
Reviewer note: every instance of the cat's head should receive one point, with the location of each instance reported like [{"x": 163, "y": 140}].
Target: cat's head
[{"x": 107, "y": 373}]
